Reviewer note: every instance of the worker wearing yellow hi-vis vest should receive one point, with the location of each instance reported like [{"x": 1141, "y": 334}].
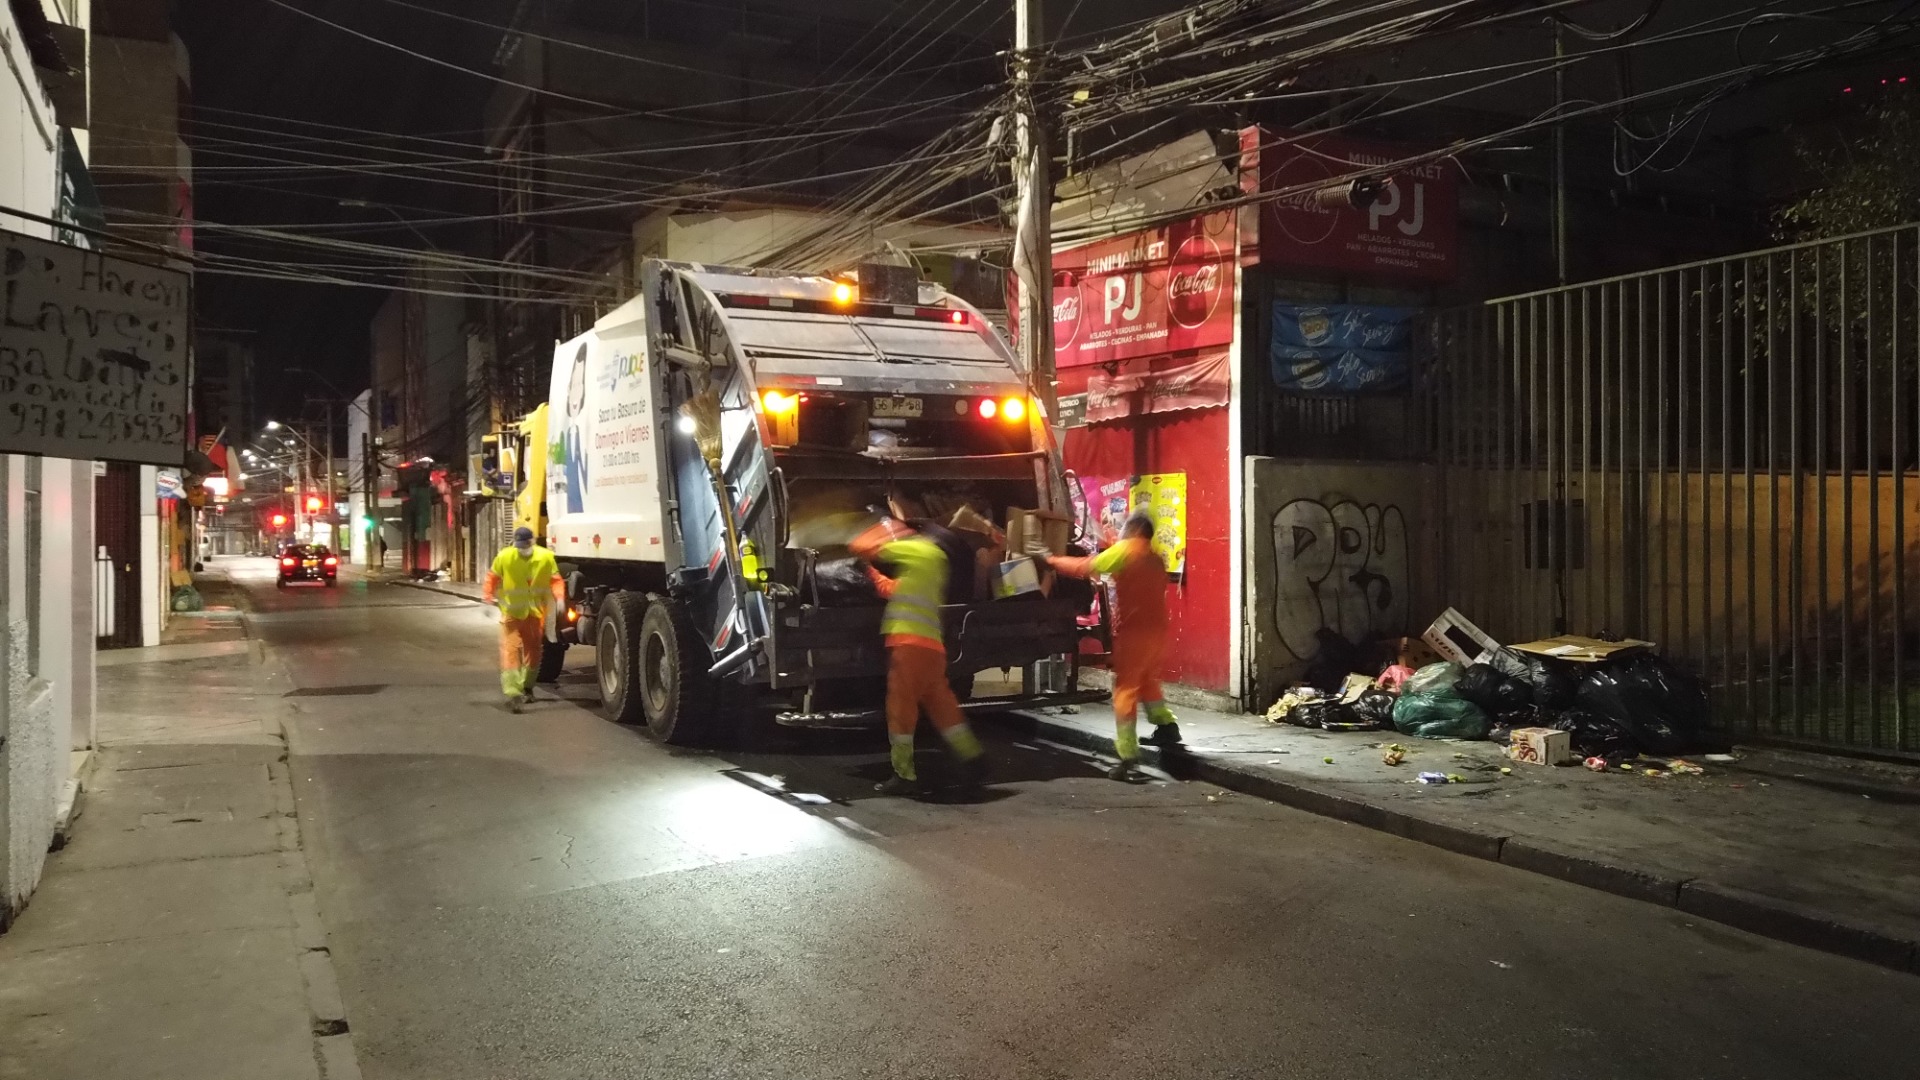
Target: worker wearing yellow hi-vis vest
[
  {"x": 521, "y": 581},
  {"x": 914, "y": 584}
]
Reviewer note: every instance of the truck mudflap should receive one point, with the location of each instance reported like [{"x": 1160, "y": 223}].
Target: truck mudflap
[{"x": 864, "y": 719}]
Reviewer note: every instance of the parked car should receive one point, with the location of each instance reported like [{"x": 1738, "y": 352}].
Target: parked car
[{"x": 308, "y": 562}]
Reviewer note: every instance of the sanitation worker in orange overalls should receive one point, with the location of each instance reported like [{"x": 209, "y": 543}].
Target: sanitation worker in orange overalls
[
  {"x": 1139, "y": 637},
  {"x": 912, "y": 576},
  {"x": 522, "y": 580}
]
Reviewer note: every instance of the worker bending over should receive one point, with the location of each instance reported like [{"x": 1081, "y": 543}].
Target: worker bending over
[
  {"x": 914, "y": 583},
  {"x": 1139, "y": 636},
  {"x": 521, "y": 581}
]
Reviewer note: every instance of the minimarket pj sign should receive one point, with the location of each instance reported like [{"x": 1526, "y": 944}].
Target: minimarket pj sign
[
  {"x": 1156, "y": 291},
  {"x": 1408, "y": 232}
]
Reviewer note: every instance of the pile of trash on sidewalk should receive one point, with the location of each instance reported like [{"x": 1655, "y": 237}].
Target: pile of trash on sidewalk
[{"x": 1601, "y": 701}]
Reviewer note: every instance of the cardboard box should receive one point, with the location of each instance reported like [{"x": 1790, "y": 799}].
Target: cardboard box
[
  {"x": 1455, "y": 638},
  {"x": 1583, "y": 650},
  {"x": 1541, "y": 746},
  {"x": 1036, "y": 532},
  {"x": 1414, "y": 653},
  {"x": 1015, "y": 577}
]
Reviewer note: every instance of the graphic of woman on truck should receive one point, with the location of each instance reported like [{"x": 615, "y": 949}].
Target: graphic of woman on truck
[{"x": 568, "y": 452}]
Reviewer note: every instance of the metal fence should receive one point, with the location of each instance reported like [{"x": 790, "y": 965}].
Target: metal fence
[{"x": 1718, "y": 457}]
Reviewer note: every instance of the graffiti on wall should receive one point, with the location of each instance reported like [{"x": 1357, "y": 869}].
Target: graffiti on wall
[{"x": 1341, "y": 567}]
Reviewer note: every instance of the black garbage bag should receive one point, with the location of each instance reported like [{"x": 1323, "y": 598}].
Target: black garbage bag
[
  {"x": 1321, "y": 714},
  {"x": 1660, "y": 707},
  {"x": 1553, "y": 684},
  {"x": 1485, "y": 686},
  {"x": 1374, "y": 707},
  {"x": 1593, "y": 735},
  {"x": 844, "y": 583}
]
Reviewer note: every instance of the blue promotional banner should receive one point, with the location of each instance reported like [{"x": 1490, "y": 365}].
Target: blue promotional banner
[{"x": 1341, "y": 348}]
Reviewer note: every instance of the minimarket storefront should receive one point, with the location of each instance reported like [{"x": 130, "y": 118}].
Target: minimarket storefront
[
  {"x": 1145, "y": 337},
  {"x": 1245, "y": 378}
]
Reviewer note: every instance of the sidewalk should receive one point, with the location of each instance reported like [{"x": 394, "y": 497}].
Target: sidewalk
[
  {"x": 1820, "y": 852},
  {"x": 466, "y": 590},
  {"x": 175, "y": 934}
]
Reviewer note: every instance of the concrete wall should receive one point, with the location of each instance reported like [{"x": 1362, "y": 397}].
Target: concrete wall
[
  {"x": 1345, "y": 547},
  {"x": 46, "y": 700}
]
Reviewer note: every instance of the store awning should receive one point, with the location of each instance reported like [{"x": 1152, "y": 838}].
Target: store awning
[{"x": 1202, "y": 384}]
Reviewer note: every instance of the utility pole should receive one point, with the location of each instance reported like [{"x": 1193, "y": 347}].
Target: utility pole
[
  {"x": 370, "y": 503},
  {"x": 1033, "y": 231}
]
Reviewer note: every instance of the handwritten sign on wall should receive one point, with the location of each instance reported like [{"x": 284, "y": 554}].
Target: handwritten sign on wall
[{"x": 93, "y": 354}]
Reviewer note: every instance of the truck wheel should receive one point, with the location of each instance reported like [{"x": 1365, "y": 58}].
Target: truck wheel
[
  {"x": 615, "y": 655},
  {"x": 553, "y": 657},
  {"x": 962, "y": 683},
  {"x": 677, "y": 696}
]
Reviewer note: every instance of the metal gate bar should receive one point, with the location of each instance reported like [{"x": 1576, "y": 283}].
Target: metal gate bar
[{"x": 1607, "y": 449}]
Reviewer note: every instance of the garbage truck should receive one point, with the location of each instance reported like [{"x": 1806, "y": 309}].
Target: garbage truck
[{"x": 709, "y": 449}]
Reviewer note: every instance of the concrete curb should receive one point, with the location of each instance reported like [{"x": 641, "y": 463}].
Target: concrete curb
[
  {"x": 434, "y": 587},
  {"x": 1767, "y": 916}
]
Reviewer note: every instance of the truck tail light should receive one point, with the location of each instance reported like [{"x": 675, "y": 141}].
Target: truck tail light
[
  {"x": 988, "y": 408},
  {"x": 779, "y": 402},
  {"x": 1013, "y": 408}
]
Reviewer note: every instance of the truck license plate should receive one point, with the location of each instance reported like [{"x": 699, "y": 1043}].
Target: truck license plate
[{"x": 902, "y": 408}]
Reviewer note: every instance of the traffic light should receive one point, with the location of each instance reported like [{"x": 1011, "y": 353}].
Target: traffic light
[
  {"x": 315, "y": 504},
  {"x": 279, "y": 521},
  {"x": 367, "y": 523}
]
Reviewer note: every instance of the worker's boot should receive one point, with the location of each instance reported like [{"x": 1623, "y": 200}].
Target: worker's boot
[
  {"x": 1164, "y": 735},
  {"x": 970, "y": 772},
  {"x": 897, "y": 785},
  {"x": 515, "y": 702},
  {"x": 1128, "y": 770}
]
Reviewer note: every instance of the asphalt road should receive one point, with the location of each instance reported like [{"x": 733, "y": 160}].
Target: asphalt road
[{"x": 551, "y": 895}]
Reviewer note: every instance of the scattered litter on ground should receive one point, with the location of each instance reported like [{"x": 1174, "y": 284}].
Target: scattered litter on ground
[
  {"x": 1394, "y": 754},
  {"x": 1328, "y": 760},
  {"x": 1501, "y": 964},
  {"x": 1433, "y": 778},
  {"x": 1721, "y": 759},
  {"x": 1685, "y": 767}
]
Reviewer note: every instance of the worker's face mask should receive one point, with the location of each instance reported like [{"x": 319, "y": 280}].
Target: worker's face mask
[{"x": 524, "y": 549}]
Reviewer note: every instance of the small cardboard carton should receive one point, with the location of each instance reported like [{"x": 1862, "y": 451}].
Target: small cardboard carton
[
  {"x": 1583, "y": 650},
  {"x": 1414, "y": 653},
  {"x": 1541, "y": 746},
  {"x": 1015, "y": 577},
  {"x": 1455, "y": 638}
]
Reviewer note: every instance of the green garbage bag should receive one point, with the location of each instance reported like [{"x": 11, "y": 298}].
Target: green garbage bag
[
  {"x": 187, "y": 598},
  {"x": 1440, "y": 714}
]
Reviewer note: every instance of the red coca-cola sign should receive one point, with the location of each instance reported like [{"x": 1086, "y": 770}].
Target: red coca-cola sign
[{"x": 1157, "y": 291}]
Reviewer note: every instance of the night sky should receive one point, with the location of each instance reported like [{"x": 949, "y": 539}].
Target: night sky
[{"x": 251, "y": 57}]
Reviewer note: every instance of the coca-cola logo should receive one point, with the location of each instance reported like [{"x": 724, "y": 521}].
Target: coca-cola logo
[
  {"x": 1195, "y": 282},
  {"x": 1066, "y": 316}
]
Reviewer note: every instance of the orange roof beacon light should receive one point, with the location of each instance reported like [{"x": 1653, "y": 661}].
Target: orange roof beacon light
[
  {"x": 1013, "y": 409},
  {"x": 779, "y": 402},
  {"x": 843, "y": 293}
]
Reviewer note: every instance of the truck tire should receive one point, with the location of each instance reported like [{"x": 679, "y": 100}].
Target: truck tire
[
  {"x": 962, "y": 683},
  {"x": 553, "y": 657},
  {"x": 616, "y": 653},
  {"x": 677, "y": 697}
]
